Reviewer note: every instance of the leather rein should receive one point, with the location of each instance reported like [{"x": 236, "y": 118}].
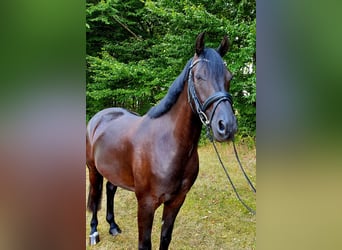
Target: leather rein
[{"x": 200, "y": 109}]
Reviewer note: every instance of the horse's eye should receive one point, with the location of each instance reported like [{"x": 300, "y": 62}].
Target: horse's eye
[{"x": 200, "y": 78}]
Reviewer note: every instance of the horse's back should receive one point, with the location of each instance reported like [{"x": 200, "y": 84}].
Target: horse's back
[{"x": 106, "y": 118}]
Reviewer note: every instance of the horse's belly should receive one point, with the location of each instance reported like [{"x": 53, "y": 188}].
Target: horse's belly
[
  {"x": 118, "y": 174},
  {"x": 112, "y": 159}
]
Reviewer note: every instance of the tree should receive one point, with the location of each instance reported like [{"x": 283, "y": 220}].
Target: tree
[{"x": 135, "y": 49}]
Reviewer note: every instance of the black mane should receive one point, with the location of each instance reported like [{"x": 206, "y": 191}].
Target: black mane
[
  {"x": 172, "y": 95},
  {"x": 177, "y": 86}
]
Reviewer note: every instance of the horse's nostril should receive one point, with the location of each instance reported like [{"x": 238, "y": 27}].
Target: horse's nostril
[{"x": 221, "y": 126}]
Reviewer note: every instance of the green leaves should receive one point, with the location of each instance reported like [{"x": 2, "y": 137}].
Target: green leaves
[{"x": 135, "y": 50}]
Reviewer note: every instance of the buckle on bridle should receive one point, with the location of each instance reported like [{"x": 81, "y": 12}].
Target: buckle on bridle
[{"x": 203, "y": 117}]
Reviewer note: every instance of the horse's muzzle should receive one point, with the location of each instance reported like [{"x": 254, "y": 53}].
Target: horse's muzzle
[
  {"x": 224, "y": 125},
  {"x": 225, "y": 130}
]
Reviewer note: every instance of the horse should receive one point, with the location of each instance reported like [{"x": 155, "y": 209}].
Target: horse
[{"x": 155, "y": 155}]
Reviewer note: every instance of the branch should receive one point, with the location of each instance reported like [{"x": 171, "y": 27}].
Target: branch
[{"x": 126, "y": 28}]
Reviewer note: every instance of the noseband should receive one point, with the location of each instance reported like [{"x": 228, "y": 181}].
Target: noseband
[{"x": 200, "y": 108}]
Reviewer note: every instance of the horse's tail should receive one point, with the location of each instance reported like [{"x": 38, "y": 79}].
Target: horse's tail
[{"x": 95, "y": 181}]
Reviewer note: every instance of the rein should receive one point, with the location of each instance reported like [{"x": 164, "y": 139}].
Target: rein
[
  {"x": 200, "y": 109},
  {"x": 230, "y": 180}
]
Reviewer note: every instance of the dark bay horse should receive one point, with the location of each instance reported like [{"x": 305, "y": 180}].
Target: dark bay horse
[{"x": 155, "y": 155}]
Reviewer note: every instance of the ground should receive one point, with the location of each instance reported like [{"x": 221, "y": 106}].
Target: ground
[{"x": 211, "y": 217}]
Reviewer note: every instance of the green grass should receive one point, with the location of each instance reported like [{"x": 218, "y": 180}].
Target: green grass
[{"x": 211, "y": 217}]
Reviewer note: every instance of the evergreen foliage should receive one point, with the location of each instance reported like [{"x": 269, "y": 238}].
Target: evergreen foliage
[{"x": 137, "y": 48}]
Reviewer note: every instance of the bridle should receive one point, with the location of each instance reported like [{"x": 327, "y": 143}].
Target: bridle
[{"x": 201, "y": 108}]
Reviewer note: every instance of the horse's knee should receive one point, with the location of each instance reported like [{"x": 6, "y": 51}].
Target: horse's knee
[
  {"x": 164, "y": 242},
  {"x": 146, "y": 245}
]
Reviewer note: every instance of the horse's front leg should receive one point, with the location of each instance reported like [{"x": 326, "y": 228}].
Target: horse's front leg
[
  {"x": 171, "y": 209},
  {"x": 146, "y": 209}
]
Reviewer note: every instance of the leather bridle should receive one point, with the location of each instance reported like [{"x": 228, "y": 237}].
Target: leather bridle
[{"x": 201, "y": 108}]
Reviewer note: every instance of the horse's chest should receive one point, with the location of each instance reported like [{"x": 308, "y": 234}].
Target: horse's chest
[
  {"x": 178, "y": 176},
  {"x": 165, "y": 173}
]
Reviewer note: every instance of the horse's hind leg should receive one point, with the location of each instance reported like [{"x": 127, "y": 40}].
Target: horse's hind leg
[
  {"x": 94, "y": 202},
  {"x": 114, "y": 228}
]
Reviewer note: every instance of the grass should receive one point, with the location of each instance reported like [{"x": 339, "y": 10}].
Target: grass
[{"x": 211, "y": 217}]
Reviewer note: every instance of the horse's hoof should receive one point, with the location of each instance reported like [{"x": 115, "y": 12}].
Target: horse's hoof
[
  {"x": 94, "y": 238},
  {"x": 115, "y": 231}
]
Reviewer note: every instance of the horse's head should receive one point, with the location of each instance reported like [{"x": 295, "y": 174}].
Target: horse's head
[{"x": 208, "y": 86}]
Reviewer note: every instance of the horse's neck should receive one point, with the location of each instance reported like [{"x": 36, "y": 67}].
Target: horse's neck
[{"x": 187, "y": 124}]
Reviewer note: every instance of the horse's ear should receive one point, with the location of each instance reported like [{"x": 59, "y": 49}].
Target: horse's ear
[
  {"x": 200, "y": 43},
  {"x": 224, "y": 46}
]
